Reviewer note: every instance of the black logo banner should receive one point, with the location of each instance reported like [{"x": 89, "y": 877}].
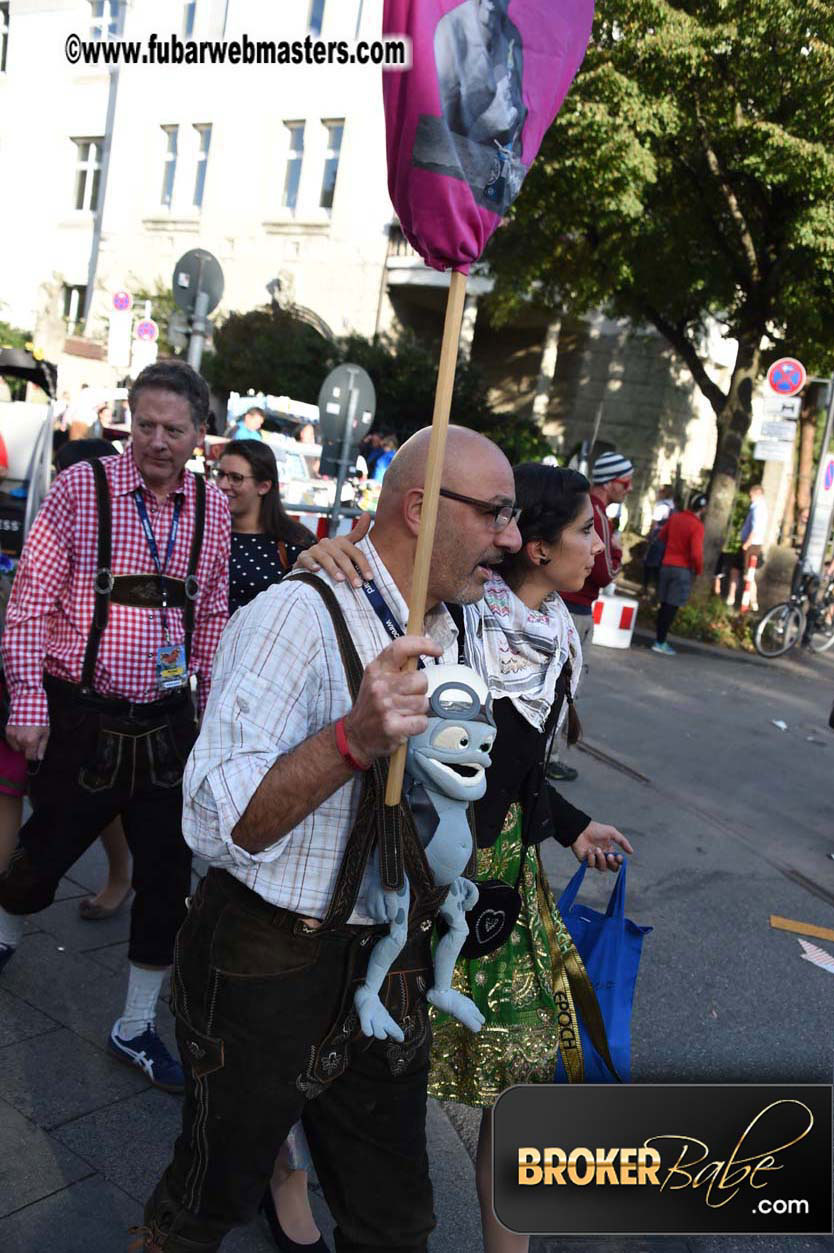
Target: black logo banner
[{"x": 662, "y": 1159}]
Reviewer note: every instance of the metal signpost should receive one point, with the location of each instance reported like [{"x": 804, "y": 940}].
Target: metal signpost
[
  {"x": 145, "y": 345},
  {"x": 818, "y": 529},
  {"x": 198, "y": 288},
  {"x": 347, "y": 403},
  {"x": 118, "y": 331}
]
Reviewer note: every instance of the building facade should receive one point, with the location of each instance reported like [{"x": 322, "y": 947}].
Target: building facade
[{"x": 111, "y": 174}]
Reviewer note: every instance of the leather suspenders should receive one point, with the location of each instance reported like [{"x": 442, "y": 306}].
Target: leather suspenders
[{"x": 106, "y": 583}]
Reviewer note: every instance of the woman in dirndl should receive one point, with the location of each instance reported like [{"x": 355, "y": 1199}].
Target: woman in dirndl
[{"x": 530, "y": 657}]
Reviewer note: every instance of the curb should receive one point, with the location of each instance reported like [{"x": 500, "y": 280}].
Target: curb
[
  {"x": 685, "y": 645},
  {"x": 794, "y": 661}
]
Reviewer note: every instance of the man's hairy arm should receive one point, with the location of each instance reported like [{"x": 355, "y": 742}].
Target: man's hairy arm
[
  {"x": 291, "y": 789},
  {"x": 390, "y": 706}
]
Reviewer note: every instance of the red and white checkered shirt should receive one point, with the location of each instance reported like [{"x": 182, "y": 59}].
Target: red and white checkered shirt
[{"x": 51, "y": 605}]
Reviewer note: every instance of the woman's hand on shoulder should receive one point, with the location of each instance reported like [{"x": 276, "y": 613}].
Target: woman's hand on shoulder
[
  {"x": 339, "y": 557},
  {"x": 598, "y": 846}
]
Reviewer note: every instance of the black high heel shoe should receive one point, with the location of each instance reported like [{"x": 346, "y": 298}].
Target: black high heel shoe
[{"x": 280, "y": 1237}]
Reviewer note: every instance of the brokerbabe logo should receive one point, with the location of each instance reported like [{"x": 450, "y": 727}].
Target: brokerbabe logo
[{"x": 663, "y": 1159}]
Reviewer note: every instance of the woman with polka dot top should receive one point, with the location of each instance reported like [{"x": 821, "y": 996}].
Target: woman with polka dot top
[{"x": 265, "y": 540}]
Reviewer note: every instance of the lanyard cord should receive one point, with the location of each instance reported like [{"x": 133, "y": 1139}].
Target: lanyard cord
[
  {"x": 386, "y": 617},
  {"x": 141, "y": 509}
]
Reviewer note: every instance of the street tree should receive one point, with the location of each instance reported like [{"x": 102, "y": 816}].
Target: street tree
[{"x": 689, "y": 179}]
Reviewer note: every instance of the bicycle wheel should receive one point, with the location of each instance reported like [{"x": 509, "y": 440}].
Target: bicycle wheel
[
  {"x": 821, "y": 636},
  {"x": 779, "y": 630}
]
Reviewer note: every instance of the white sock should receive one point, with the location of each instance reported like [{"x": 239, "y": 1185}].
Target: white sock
[
  {"x": 143, "y": 988},
  {"x": 11, "y": 928}
]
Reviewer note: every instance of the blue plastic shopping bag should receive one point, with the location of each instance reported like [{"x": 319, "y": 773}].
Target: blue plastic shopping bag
[{"x": 609, "y": 945}]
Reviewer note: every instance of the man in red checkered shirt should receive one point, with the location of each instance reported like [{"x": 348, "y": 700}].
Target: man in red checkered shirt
[{"x": 120, "y": 596}]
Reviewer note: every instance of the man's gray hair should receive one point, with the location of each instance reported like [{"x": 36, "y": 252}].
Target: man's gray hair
[{"x": 178, "y": 377}]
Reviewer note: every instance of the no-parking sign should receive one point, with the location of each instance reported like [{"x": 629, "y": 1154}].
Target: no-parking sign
[
  {"x": 787, "y": 376},
  {"x": 147, "y": 330},
  {"x": 145, "y": 345}
]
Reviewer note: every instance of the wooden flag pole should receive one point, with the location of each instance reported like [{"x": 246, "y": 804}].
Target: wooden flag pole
[{"x": 431, "y": 492}]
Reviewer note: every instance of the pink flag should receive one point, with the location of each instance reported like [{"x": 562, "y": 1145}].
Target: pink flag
[{"x": 464, "y": 124}]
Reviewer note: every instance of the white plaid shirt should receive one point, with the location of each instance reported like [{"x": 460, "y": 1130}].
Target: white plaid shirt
[{"x": 277, "y": 680}]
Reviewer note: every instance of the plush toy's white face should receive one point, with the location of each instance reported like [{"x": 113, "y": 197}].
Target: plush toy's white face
[{"x": 452, "y": 754}]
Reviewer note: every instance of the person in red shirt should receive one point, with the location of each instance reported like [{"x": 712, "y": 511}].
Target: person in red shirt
[
  {"x": 683, "y": 559},
  {"x": 611, "y": 481}
]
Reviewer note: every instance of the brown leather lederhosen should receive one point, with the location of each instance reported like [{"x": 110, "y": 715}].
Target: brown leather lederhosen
[{"x": 142, "y": 591}]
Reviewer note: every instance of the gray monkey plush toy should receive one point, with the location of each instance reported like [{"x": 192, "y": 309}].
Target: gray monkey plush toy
[{"x": 446, "y": 765}]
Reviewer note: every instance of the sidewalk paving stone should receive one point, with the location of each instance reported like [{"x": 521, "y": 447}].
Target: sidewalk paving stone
[
  {"x": 148, "y": 1122},
  {"x": 19, "y": 1021},
  {"x": 63, "y": 921},
  {"x": 53, "y": 1078},
  {"x": 32, "y": 1164},
  {"x": 89, "y": 1217},
  {"x": 77, "y": 992}
]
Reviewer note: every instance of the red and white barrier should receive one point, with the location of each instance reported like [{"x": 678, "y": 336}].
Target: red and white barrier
[
  {"x": 614, "y": 621},
  {"x": 749, "y": 584}
]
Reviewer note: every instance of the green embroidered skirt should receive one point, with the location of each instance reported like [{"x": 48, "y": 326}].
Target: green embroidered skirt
[{"x": 512, "y": 987}]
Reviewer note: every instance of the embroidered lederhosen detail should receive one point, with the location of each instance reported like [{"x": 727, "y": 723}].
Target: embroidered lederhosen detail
[
  {"x": 135, "y": 589},
  {"x": 330, "y": 1058}
]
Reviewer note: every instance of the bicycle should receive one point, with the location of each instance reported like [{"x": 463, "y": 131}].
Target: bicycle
[{"x": 807, "y": 617}]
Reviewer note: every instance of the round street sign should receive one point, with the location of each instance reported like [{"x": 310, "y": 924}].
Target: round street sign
[
  {"x": 147, "y": 330},
  {"x": 197, "y": 271},
  {"x": 787, "y": 376},
  {"x": 122, "y": 301},
  {"x": 346, "y": 394}
]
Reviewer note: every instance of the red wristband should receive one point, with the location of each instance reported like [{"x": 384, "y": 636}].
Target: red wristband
[{"x": 344, "y": 751}]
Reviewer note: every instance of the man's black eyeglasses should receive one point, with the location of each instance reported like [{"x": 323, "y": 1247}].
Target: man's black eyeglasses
[{"x": 502, "y": 515}]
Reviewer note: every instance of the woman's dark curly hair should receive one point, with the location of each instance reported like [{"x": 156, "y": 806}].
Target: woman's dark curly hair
[
  {"x": 274, "y": 518},
  {"x": 550, "y": 499}
]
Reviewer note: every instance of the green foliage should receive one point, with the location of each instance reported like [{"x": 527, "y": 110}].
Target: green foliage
[
  {"x": 709, "y": 621},
  {"x": 13, "y": 336},
  {"x": 690, "y": 175},
  {"x": 713, "y": 622},
  {"x": 270, "y": 351}
]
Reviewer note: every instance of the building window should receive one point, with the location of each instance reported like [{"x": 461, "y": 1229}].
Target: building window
[
  {"x": 335, "y": 130},
  {"x": 316, "y": 18},
  {"x": 204, "y": 133},
  {"x": 295, "y": 156},
  {"x": 170, "y": 167},
  {"x": 75, "y": 299},
  {"x": 104, "y": 19},
  {"x": 188, "y": 15},
  {"x": 87, "y": 173},
  {"x": 4, "y": 35}
]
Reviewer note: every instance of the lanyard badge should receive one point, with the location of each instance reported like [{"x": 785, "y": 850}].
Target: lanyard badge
[
  {"x": 385, "y": 615},
  {"x": 171, "y": 665}
]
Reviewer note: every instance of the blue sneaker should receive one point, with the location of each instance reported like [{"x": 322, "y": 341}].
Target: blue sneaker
[
  {"x": 7, "y": 952},
  {"x": 148, "y": 1054},
  {"x": 666, "y": 649}
]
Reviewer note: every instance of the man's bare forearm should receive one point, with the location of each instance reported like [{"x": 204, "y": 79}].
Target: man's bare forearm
[{"x": 291, "y": 789}]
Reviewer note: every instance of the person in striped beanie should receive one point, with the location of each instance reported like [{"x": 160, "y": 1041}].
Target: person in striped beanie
[{"x": 611, "y": 480}]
